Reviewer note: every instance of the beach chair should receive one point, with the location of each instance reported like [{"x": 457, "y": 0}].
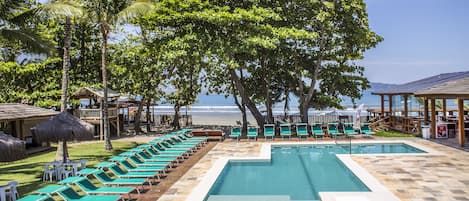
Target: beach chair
[
  {"x": 119, "y": 172},
  {"x": 68, "y": 193},
  {"x": 317, "y": 130},
  {"x": 285, "y": 131},
  {"x": 104, "y": 179},
  {"x": 252, "y": 133},
  {"x": 145, "y": 160},
  {"x": 89, "y": 188},
  {"x": 302, "y": 130},
  {"x": 349, "y": 130},
  {"x": 235, "y": 133},
  {"x": 269, "y": 131},
  {"x": 36, "y": 198},
  {"x": 365, "y": 129},
  {"x": 333, "y": 130},
  {"x": 126, "y": 164}
]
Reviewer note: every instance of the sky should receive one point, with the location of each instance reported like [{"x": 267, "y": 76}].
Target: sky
[{"x": 421, "y": 38}]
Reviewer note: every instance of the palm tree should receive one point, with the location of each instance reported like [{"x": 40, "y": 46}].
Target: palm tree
[
  {"x": 59, "y": 9},
  {"x": 107, "y": 14},
  {"x": 12, "y": 29}
]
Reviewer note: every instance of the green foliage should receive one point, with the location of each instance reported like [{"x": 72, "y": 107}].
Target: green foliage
[
  {"x": 36, "y": 83},
  {"x": 392, "y": 134}
]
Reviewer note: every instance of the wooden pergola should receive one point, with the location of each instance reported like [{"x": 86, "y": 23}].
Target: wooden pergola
[
  {"x": 94, "y": 115},
  {"x": 457, "y": 89},
  {"x": 410, "y": 88}
]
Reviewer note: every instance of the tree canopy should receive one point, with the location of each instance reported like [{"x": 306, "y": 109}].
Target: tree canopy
[{"x": 260, "y": 52}]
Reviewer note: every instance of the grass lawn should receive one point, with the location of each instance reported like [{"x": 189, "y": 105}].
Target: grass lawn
[
  {"x": 28, "y": 172},
  {"x": 393, "y": 134}
]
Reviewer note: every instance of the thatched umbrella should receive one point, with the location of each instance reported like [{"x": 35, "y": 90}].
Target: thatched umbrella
[
  {"x": 11, "y": 148},
  {"x": 62, "y": 127}
]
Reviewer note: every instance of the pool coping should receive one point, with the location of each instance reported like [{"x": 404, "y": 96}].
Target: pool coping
[{"x": 377, "y": 190}]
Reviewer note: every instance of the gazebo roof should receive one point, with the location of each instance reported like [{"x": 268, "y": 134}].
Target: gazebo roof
[
  {"x": 419, "y": 85},
  {"x": 452, "y": 89},
  {"x": 88, "y": 92},
  {"x": 16, "y": 111}
]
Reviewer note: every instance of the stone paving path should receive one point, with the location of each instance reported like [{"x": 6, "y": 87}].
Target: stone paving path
[
  {"x": 423, "y": 178},
  {"x": 416, "y": 178}
]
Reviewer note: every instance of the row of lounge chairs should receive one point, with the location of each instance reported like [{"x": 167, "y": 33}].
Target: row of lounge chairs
[
  {"x": 302, "y": 131},
  {"x": 131, "y": 170}
]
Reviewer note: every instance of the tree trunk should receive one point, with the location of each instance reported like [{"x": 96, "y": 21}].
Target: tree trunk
[
  {"x": 106, "y": 130},
  {"x": 287, "y": 97},
  {"x": 62, "y": 152},
  {"x": 243, "y": 108},
  {"x": 148, "y": 115},
  {"x": 249, "y": 104},
  {"x": 176, "y": 125},
  {"x": 138, "y": 117},
  {"x": 66, "y": 63}
]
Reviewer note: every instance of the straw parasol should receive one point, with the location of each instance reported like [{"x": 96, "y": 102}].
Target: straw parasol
[
  {"x": 11, "y": 148},
  {"x": 63, "y": 127}
]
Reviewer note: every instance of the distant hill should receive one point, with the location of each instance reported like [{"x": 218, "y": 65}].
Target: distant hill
[{"x": 376, "y": 86}]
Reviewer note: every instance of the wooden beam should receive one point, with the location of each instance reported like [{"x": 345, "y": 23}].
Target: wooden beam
[
  {"x": 461, "y": 121},
  {"x": 433, "y": 118},
  {"x": 382, "y": 105},
  {"x": 425, "y": 110},
  {"x": 444, "y": 107},
  {"x": 406, "y": 108},
  {"x": 390, "y": 105}
]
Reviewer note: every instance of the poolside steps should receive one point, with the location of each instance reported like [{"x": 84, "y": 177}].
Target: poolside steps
[{"x": 249, "y": 198}]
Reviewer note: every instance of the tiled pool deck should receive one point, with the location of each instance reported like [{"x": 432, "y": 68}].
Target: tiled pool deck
[{"x": 428, "y": 177}]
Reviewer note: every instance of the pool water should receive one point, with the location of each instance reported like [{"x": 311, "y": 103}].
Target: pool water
[{"x": 299, "y": 171}]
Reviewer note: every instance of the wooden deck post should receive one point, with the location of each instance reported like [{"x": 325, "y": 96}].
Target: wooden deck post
[
  {"x": 461, "y": 121},
  {"x": 444, "y": 107},
  {"x": 390, "y": 111},
  {"x": 382, "y": 106},
  {"x": 406, "y": 108},
  {"x": 425, "y": 110},
  {"x": 433, "y": 118}
]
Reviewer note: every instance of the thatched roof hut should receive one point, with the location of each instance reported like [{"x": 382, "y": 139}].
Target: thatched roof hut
[
  {"x": 63, "y": 127},
  {"x": 11, "y": 148}
]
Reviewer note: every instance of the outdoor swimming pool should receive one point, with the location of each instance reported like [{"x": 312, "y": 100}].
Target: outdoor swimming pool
[{"x": 299, "y": 171}]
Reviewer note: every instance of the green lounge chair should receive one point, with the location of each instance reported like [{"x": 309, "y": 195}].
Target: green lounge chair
[
  {"x": 365, "y": 129},
  {"x": 138, "y": 162},
  {"x": 68, "y": 193},
  {"x": 269, "y": 131},
  {"x": 154, "y": 160},
  {"x": 235, "y": 133},
  {"x": 285, "y": 131},
  {"x": 333, "y": 130},
  {"x": 89, "y": 188},
  {"x": 36, "y": 198},
  {"x": 252, "y": 133},
  {"x": 302, "y": 130},
  {"x": 132, "y": 168},
  {"x": 161, "y": 150},
  {"x": 116, "y": 170},
  {"x": 317, "y": 130},
  {"x": 159, "y": 158},
  {"x": 348, "y": 129},
  {"x": 103, "y": 178}
]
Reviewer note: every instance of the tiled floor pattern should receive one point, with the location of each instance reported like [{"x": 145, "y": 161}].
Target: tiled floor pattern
[
  {"x": 423, "y": 178},
  {"x": 416, "y": 178}
]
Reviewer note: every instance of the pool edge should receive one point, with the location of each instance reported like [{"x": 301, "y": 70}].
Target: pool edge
[{"x": 378, "y": 190}]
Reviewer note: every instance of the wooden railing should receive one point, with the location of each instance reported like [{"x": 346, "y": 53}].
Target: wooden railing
[
  {"x": 402, "y": 124},
  {"x": 95, "y": 113}
]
